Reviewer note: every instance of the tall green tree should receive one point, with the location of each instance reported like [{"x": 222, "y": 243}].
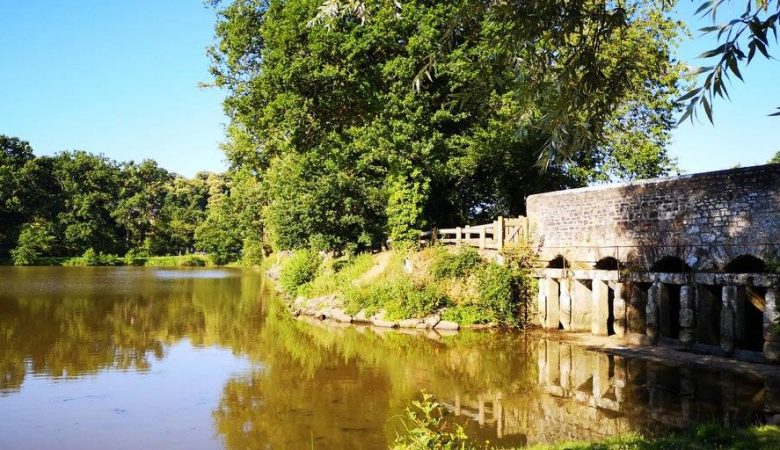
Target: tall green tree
[
  {"x": 142, "y": 195},
  {"x": 15, "y": 189},
  {"x": 437, "y": 113},
  {"x": 89, "y": 190}
]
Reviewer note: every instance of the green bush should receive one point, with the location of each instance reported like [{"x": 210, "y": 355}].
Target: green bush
[
  {"x": 191, "y": 261},
  {"x": 134, "y": 258},
  {"x": 299, "y": 269},
  {"x": 92, "y": 258},
  {"x": 455, "y": 265},
  {"x": 252, "y": 252},
  {"x": 399, "y": 297},
  {"x": 34, "y": 240},
  {"x": 494, "y": 284}
]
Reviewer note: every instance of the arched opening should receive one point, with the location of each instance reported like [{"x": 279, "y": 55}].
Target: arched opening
[
  {"x": 745, "y": 264},
  {"x": 608, "y": 263},
  {"x": 670, "y": 264},
  {"x": 708, "y": 306},
  {"x": 752, "y": 337},
  {"x": 669, "y": 311},
  {"x": 559, "y": 262}
]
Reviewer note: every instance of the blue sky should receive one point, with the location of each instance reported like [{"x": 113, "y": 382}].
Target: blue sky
[{"x": 121, "y": 78}]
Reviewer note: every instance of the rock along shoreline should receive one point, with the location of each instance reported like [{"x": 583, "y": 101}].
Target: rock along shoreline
[{"x": 330, "y": 308}]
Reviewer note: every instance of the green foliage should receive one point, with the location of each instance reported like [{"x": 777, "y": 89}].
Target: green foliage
[
  {"x": 405, "y": 204},
  {"x": 775, "y": 159},
  {"x": 299, "y": 269},
  {"x": 455, "y": 265},
  {"x": 494, "y": 284},
  {"x": 252, "y": 252},
  {"x": 360, "y": 130},
  {"x": 92, "y": 258},
  {"x": 740, "y": 39},
  {"x": 336, "y": 276},
  {"x": 428, "y": 428},
  {"x": 35, "y": 240},
  {"x": 399, "y": 296}
]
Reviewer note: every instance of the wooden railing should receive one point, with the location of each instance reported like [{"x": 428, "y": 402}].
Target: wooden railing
[{"x": 493, "y": 235}]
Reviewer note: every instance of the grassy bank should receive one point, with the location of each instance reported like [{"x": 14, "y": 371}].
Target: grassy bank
[
  {"x": 99, "y": 259},
  {"x": 463, "y": 286},
  {"x": 428, "y": 427}
]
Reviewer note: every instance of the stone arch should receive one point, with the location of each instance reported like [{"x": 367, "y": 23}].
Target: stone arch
[
  {"x": 745, "y": 264},
  {"x": 672, "y": 264},
  {"x": 607, "y": 263}
]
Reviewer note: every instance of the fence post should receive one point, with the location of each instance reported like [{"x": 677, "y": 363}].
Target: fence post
[
  {"x": 498, "y": 233},
  {"x": 458, "y": 235},
  {"x": 482, "y": 237}
]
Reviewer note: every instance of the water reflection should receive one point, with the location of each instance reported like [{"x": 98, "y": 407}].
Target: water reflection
[{"x": 313, "y": 383}]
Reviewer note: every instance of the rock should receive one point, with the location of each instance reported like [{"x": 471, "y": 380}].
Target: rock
[
  {"x": 383, "y": 323},
  {"x": 432, "y": 320},
  {"x": 421, "y": 326},
  {"x": 300, "y": 301},
  {"x": 361, "y": 316},
  {"x": 274, "y": 272},
  {"x": 409, "y": 323},
  {"x": 446, "y": 325}
]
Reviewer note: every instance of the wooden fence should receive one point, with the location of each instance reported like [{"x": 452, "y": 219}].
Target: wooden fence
[{"x": 493, "y": 235}]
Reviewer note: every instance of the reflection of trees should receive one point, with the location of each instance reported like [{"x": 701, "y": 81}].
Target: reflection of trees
[
  {"x": 67, "y": 335},
  {"x": 335, "y": 386}
]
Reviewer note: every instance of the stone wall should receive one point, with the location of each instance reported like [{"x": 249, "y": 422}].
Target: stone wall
[{"x": 705, "y": 219}]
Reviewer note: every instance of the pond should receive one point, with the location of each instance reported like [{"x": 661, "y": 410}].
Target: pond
[{"x": 201, "y": 358}]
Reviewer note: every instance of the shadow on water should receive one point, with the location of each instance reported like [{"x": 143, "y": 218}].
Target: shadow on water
[{"x": 330, "y": 385}]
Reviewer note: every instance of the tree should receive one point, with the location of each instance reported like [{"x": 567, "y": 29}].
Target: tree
[
  {"x": 439, "y": 113},
  {"x": 142, "y": 196},
  {"x": 88, "y": 186},
  {"x": 15, "y": 155},
  {"x": 775, "y": 159},
  {"x": 35, "y": 240},
  {"x": 183, "y": 210}
]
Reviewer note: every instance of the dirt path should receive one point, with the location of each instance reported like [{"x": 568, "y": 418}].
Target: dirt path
[{"x": 382, "y": 260}]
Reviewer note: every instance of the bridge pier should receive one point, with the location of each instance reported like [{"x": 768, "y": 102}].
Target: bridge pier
[{"x": 723, "y": 313}]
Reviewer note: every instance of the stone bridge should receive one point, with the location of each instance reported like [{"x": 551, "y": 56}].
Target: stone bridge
[{"x": 689, "y": 261}]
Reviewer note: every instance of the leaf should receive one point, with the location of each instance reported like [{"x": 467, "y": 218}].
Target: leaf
[
  {"x": 703, "y": 7},
  {"x": 688, "y": 95},
  {"x": 713, "y": 52},
  {"x": 734, "y": 67},
  {"x": 707, "y": 109}
]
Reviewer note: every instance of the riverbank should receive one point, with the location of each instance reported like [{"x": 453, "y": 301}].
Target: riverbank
[
  {"x": 100, "y": 259},
  {"x": 435, "y": 288}
]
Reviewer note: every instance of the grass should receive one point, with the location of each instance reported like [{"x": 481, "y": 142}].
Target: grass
[{"x": 470, "y": 289}]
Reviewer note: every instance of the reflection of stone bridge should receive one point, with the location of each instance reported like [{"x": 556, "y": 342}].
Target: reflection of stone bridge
[
  {"x": 585, "y": 394},
  {"x": 689, "y": 260}
]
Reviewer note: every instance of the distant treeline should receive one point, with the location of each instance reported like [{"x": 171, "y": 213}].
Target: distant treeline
[{"x": 76, "y": 202}]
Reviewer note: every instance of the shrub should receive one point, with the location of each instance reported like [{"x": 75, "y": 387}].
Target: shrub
[
  {"x": 134, "y": 258},
  {"x": 300, "y": 269},
  {"x": 494, "y": 284},
  {"x": 34, "y": 240},
  {"x": 427, "y": 427},
  {"x": 191, "y": 261},
  {"x": 252, "y": 252},
  {"x": 400, "y": 297},
  {"x": 455, "y": 265}
]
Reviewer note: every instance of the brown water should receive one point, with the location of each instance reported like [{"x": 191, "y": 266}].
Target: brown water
[{"x": 150, "y": 359}]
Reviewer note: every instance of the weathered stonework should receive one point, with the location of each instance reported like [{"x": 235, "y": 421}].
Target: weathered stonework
[{"x": 705, "y": 219}]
